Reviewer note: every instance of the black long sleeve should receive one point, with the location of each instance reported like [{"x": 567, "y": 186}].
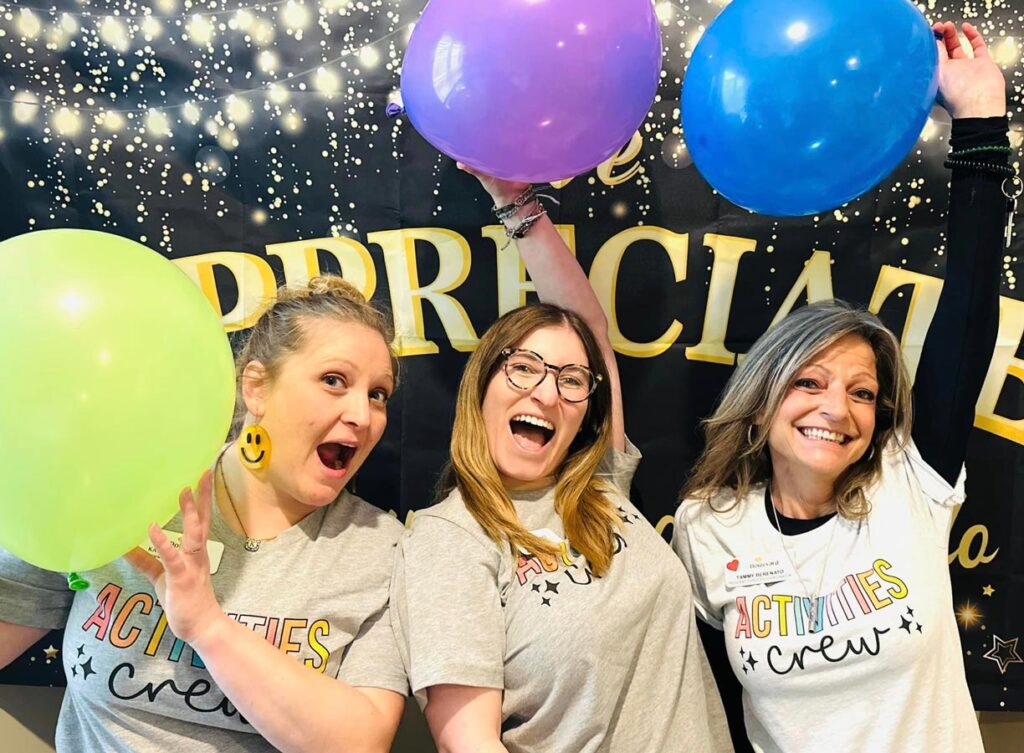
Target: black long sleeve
[{"x": 961, "y": 338}]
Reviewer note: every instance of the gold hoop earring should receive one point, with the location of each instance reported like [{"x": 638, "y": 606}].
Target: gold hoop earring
[
  {"x": 254, "y": 447},
  {"x": 750, "y": 435}
]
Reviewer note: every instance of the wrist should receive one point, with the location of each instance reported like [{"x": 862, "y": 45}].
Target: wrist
[{"x": 213, "y": 632}]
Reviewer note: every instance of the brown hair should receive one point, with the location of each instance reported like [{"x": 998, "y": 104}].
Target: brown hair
[
  {"x": 736, "y": 449},
  {"x": 279, "y": 332},
  {"x": 587, "y": 514}
]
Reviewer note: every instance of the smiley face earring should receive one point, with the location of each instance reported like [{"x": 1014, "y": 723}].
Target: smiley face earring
[{"x": 254, "y": 447}]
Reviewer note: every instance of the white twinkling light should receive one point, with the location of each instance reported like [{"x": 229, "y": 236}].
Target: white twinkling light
[
  {"x": 114, "y": 33},
  {"x": 25, "y": 108},
  {"x": 28, "y": 24},
  {"x": 111, "y": 120},
  {"x": 243, "y": 20},
  {"x": 277, "y": 94},
  {"x": 327, "y": 81},
  {"x": 369, "y": 56},
  {"x": 294, "y": 15},
  {"x": 262, "y": 32},
  {"x": 158, "y": 124},
  {"x": 200, "y": 30},
  {"x": 151, "y": 27},
  {"x": 191, "y": 113},
  {"x": 237, "y": 109},
  {"x": 66, "y": 121},
  {"x": 267, "y": 61},
  {"x": 292, "y": 122}
]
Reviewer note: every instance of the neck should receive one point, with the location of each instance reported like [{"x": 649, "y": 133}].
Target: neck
[
  {"x": 802, "y": 497},
  {"x": 518, "y": 485},
  {"x": 260, "y": 511}
]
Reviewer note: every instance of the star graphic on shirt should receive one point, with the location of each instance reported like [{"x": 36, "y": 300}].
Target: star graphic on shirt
[
  {"x": 1004, "y": 653},
  {"x": 987, "y": 590},
  {"x": 81, "y": 650},
  {"x": 626, "y": 516},
  {"x": 551, "y": 587},
  {"x": 74, "y": 671},
  {"x": 905, "y": 624},
  {"x": 51, "y": 652},
  {"x": 742, "y": 652},
  {"x": 546, "y": 602},
  {"x": 87, "y": 669},
  {"x": 918, "y": 628},
  {"x": 536, "y": 587},
  {"x": 751, "y": 661},
  {"x": 910, "y": 611},
  {"x": 744, "y": 668}
]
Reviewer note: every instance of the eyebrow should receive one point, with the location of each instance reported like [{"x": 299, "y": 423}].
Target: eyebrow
[
  {"x": 856, "y": 375},
  {"x": 339, "y": 360}
]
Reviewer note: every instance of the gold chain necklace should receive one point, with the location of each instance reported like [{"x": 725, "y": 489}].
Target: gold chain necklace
[{"x": 251, "y": 544}]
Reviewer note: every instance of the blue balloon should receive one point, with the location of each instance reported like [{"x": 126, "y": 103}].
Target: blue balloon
[{"x": 793, "y": 108}]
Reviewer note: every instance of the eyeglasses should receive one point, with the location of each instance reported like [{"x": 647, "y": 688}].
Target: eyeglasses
[{"x": 525, "y": 370}]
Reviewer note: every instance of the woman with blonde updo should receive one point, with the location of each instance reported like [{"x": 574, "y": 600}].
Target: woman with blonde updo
[{"x": 275, "y": 587}]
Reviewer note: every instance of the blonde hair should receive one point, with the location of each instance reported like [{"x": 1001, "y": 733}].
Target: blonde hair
[
  {"x": 736, "y": 448},
  {"x": 280, "y": 332},
  {"x": 581, "y": 500}
]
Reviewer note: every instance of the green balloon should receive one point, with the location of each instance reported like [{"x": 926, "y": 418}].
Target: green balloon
[{"x": 116, "y": 390}]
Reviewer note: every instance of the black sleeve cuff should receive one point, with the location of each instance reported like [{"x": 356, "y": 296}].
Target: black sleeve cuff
[{"x": 970, "y": 132}]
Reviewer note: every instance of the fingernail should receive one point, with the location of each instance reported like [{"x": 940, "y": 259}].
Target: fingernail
[{"x": 938, "y": 34}]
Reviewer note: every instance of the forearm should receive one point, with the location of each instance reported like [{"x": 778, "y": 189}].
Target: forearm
[
  {"x": 294, "y": 707},
  {"x": 962, "y": 334},
  {"x": 15, "y": 640}
]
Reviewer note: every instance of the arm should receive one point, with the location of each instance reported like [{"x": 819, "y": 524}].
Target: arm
[
  {"x": 962, "y": 334},
  {"x": 464, "y": 719},
  {"x": 294, "y": 707},
  {"x": 15, "y": 640},
  {"x": 729, "y": 687},
  {"x": 561, "y": 281}
]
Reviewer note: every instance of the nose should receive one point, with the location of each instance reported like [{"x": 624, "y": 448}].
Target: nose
[
  {"x": 546, "y": 393},
  {"x": 834, "y": 403},
  {"x": 355, "y": 410}
]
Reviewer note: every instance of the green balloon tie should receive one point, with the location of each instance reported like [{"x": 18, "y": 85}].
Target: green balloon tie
[{"x": 76, "y": 582}]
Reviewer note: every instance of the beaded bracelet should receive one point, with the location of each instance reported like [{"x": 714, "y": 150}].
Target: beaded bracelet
[
  {"x": 979, "y": 150},
  {"x": 986, "y": 167},
  {"x": 509, "y": 210}
]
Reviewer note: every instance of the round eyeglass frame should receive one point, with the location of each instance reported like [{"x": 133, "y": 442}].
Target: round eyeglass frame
[{"x": 509, "y": 352}]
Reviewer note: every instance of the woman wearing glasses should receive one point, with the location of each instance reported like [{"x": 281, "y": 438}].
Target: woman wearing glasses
[{"x": 535, "y": 608}]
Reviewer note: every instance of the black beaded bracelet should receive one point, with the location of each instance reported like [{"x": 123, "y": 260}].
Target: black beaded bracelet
[
  {"x": 985, "y": 167},
  {"x": 978, "y": 150},
  {"x": 509, "y": 210}
]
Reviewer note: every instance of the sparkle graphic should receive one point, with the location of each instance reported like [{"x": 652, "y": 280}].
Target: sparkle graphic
[
  {"x": 968, "y": 615},
  {"x": 1003, "y": 653}
]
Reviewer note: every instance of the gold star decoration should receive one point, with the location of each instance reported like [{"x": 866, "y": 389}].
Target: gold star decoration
[
  {"x": 968, "y": 614},
  {"x": 988, "y": 590},
  {"x": 51, "y": 652}
]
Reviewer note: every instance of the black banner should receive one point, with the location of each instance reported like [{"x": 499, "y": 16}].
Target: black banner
[{"x": 250, "y": 145}]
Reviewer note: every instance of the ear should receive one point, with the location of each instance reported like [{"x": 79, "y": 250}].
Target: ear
[{"x": 255, "y": 384}]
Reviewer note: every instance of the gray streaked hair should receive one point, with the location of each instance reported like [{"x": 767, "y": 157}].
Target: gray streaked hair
[{"x": 736, "y": 453}]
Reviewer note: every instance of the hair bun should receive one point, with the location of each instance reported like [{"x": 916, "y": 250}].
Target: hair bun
[{"x": 324, "y": 285}]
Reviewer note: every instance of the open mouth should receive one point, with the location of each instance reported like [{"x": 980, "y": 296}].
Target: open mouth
[
  {"x": 823, "y": 435},
  {"x": 335, "y": 456},
  {"x": 531, "y": 433}
]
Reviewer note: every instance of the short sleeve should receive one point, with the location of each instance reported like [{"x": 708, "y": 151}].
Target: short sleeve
[
  {"x": 372, "y": 660},
  {"x": 31, "y": 596},
  {"x": 907, "y": 475},
  {"x": 685, "y": 543},
  {"x": 617, "y": 467},
  {"x": 446, "y": 607}
]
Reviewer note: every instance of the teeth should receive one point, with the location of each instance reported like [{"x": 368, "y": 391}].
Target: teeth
[
  {"x": 830, "y": 436},
  {"x": 535, "y": 421}
]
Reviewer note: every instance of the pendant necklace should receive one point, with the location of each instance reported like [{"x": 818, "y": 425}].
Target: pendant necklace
[{"x": 812, "y": 616}]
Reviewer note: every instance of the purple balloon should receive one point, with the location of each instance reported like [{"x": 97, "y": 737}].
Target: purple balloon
[{"x": 531, "y": 90}]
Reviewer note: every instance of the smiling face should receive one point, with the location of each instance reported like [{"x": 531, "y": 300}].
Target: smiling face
[
  {"x": 529, "y": 431},
  {"x": 827, "y": 417},
  {"x": 325, "y": 410},
  {"x": 254, "y": 447}
]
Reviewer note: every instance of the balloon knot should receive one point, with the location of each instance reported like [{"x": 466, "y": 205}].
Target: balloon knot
[{"x": 393, "y": 110}]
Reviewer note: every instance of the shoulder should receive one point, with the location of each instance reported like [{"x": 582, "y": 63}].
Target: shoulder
[
  {"x": 722, "y": 509},
  {"x": 363, "y": 527},
  {"x": 448, "y": 526}
]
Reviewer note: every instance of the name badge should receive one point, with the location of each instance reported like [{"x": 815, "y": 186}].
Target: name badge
[
  {"x": 756, "y": 570},
  {"x": 214, "y": 549}
]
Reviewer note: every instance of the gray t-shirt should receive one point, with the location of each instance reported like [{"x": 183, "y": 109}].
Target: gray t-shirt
[
  {"x": 587, "y": 664},
  {"x": 318, "y": 591}
]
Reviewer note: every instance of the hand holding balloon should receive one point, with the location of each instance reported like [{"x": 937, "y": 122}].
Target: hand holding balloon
[
  {"x": 181, "y": 577},
  {"x": 969, "y": 87},
  {"x": 501, "y": 191}
]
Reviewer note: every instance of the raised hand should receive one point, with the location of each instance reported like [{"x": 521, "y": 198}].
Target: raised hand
[
  {"x": 502, "y": 191},
  {"x": 181, "y": 577},
  {"x": 969, "y": 87}
]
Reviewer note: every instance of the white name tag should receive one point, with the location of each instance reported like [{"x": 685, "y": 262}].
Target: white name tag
[
  {"x": 214, "y": 549},
  {"x": 756, "y": 570}
]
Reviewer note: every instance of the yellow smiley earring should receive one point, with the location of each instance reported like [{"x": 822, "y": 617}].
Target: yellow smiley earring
[{"x": 254, "y": 447}]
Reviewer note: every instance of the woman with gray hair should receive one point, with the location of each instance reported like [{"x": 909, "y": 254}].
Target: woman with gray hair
[{"x": 815, "y": 525}]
